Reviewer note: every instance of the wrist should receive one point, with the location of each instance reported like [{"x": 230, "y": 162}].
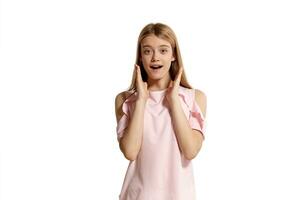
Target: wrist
[
  {"x": 174, "y": 102},
  {"x": 141, "y": 101}
]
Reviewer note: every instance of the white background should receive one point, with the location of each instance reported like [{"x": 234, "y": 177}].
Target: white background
[{"x": 62, "y": 63}]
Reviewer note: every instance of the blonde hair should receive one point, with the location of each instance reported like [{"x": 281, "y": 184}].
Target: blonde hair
[{"x": 166, "y": 33}]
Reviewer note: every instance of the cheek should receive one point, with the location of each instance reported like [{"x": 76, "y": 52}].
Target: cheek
[
  {"x": 145, "y": 59},
  {"x": 168, "y": 63},
  {"x": 168, "y": 68},
  {"x": 167, "y": 58}
]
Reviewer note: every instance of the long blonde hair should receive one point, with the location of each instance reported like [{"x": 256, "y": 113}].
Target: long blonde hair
[{"x": 166, "y": 33}]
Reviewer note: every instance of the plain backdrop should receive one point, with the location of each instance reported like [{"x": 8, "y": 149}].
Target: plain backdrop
[{"x": 63, "y": 62}]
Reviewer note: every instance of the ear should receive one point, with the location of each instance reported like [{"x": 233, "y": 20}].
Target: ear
[{"x": 173, "y": 56}]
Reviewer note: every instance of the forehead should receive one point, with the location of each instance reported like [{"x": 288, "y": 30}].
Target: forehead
[{"x": 154, "y": 41}]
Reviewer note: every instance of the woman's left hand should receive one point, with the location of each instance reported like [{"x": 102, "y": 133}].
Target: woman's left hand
[{"x": 172, "y": 91}]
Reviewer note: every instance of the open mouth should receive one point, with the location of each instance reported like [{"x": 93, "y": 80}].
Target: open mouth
[{"x": 156, "y": 66}]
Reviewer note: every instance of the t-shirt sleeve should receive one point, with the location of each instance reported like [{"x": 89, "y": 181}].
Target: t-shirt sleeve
[
  {"x": 196, "y": 118},
  {"x": 124, "y": 120}
]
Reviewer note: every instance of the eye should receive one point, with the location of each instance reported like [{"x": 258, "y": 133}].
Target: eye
[
  {"x": 164, "y": 50},
  {"x": 146, "y": 51}
]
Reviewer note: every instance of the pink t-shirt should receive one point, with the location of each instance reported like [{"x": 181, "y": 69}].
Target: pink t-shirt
[{"x": 160, "y": 171}]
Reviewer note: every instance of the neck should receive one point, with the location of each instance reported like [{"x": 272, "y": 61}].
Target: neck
[{"x": 159, "y": 84}]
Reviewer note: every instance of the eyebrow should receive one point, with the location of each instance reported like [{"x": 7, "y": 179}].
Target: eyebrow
[{"x": 164, "y": 45}]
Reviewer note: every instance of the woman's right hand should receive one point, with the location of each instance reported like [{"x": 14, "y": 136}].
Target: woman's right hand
[{"x": 142, "y": 87}]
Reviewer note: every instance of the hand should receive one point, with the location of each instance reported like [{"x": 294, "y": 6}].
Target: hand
[
  {"x": 172, "y": 91},
  {"x": 141, "y": 86}
]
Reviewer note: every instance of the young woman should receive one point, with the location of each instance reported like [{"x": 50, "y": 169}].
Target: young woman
[{"x": 160, "y": 121}]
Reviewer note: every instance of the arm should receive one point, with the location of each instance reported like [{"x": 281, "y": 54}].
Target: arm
[
  {"x": 131, "y": 140},
  {"x": 189, "y": 140}
]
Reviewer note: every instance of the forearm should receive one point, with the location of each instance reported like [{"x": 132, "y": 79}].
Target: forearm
[
  {"x": 184, "y": 133},
  {"x": 132, "y": 138}
]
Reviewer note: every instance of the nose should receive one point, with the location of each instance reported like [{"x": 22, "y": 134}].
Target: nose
[{"x": 154, "y": 56}]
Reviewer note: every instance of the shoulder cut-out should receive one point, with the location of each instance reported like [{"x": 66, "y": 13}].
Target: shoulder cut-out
[
  {"x": 119, "y": 100},
  {"x": 201, "y": 100}
]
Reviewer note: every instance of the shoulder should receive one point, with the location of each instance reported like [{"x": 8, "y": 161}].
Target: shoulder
[
  {"x": 201, "y": 100},
  {"x": 192, "y": 95},
  {"x": 200, "y": 95},
  {"x": 122, "y": 96},
  {"x": 119, "y": 100}
]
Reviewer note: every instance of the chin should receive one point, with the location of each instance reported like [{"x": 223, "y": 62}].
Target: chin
[{"x": 156, "y": 77}]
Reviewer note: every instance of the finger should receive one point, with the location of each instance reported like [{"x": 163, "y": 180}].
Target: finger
[
  {"x": 138, "y": 72},
  {"x": 178, "y": 76},
  {"x": 170, "y": 84}
]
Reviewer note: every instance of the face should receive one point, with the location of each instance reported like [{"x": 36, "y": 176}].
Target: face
[{"x": 156, "y": 56}]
